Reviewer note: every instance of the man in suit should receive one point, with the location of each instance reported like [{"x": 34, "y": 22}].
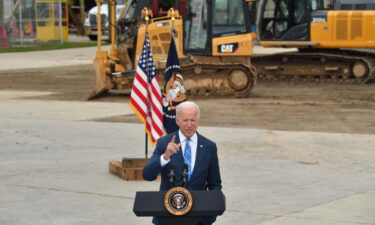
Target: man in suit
[{"x": 186, "y": 146}]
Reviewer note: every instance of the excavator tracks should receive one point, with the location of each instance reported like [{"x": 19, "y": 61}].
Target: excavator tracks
[
  {"x": 218, "y": 78},
  {"x": 345, "y": 66}
]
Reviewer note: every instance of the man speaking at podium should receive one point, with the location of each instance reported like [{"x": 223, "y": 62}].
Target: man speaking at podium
[{"x": 186, "y": 147}]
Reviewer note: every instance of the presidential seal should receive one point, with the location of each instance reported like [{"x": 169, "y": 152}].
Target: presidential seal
[{"x": 178, "y": 201}]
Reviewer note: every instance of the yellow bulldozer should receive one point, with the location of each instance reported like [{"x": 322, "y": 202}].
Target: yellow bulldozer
[{"x": 215, "y": 38}]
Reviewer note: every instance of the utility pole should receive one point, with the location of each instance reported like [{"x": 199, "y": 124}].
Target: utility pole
[
  {"x": 20, "y": 21},
  {"x": 60, "y": 22},
  {"x": 81, "y": 28}
]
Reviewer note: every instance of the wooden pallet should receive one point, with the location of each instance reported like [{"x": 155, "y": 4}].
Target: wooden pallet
[{"x": 128, "y": 168}]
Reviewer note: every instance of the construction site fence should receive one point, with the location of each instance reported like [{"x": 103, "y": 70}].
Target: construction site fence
[{"x": 18, "y": 22}]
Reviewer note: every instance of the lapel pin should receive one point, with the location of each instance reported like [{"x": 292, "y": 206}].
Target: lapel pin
[{"x": 201, "y": 146}]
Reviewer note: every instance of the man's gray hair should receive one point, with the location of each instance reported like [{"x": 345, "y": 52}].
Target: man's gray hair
[{"x": 187, "y": 105}]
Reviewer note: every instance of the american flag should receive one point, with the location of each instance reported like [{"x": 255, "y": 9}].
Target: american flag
[{"x": 145, "y": 97}]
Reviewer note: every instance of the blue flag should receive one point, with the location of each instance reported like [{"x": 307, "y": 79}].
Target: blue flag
[{"x": 174, "y": 91}]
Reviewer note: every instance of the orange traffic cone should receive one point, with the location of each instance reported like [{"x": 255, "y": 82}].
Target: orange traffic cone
[
  {"x": 28, "y": 30},
  {"x": 31, "y": 28},
  {"x": 4, "y": 43},
  {"x": 15, "y": 30}
]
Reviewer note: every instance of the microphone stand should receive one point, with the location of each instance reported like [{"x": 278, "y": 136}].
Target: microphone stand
[
  {"x": 172, "y": 175},
  {"x": 183, "y": 181},
  {"x": 185, "y": 175}
]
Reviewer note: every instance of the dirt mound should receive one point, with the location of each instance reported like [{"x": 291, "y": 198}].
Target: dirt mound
[{"x": 272, "y": 105}]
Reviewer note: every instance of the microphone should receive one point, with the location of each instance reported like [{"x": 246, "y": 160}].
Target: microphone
[
  {"x": 172, "y": 174},
  {"x": 185, "y": 174}
]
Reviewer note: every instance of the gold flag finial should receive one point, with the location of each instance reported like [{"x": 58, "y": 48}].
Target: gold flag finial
[
  {"x": 172, "y": 13},
  {"x": 146, "y": 14}
]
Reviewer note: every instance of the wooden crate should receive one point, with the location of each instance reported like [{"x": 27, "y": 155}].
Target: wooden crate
[{"x": 128, "y": 168}]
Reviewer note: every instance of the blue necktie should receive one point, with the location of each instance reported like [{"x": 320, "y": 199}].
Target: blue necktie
[{"x": 187, "y": 156}]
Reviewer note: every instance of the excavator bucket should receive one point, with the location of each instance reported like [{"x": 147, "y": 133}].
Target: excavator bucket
[{"x": 102, "y": 83}]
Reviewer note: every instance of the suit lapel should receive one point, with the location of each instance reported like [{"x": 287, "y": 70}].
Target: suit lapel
[{"x": 199, "y": 156}]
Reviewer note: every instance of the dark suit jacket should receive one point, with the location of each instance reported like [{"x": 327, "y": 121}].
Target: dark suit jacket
[{"x": 205, "y": 175}]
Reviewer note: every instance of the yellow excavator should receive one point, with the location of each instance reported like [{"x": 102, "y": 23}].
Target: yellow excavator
[
  {"x": 214, "y": 44},
  {"x": 335, "y": 40}
]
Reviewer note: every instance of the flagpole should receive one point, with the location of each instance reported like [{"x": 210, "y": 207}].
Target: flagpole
[
  {"x": 146, "y": 13},
  {"x": 146, "y": 147},
  {"x": 172, "y": 13}
]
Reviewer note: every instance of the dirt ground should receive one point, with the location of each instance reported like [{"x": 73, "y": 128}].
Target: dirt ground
[{"x": 342, "y": 108}]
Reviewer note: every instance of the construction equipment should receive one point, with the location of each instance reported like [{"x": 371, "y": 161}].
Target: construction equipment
[
  {"x": 218, "y": 43},
  {"x": 115, "y": 69},
  {"x": 334, "y": 40},
  {"x": 214, "y": 49},
  {"x": 108, "y": 68}
]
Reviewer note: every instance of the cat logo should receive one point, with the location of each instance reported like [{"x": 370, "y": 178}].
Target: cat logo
[{"x": 227, "y": 48}]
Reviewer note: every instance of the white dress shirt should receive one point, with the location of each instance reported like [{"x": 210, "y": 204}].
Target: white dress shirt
[{"x": 193, "y": 146}]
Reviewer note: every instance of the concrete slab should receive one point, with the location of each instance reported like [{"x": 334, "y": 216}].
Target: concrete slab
[
  {"x": 14, "y": 107},
  {"x": 5, "y": 95},
  {"x": 355, "y": 209},
  {"x": 51, "y": 58},
  {"x": 54, "y": 170}
]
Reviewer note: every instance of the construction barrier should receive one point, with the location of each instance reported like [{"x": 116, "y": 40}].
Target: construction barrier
[{"x": 24, "y": 22}]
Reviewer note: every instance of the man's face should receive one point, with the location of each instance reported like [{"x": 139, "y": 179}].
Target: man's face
[{"x": 187, "y": 120}]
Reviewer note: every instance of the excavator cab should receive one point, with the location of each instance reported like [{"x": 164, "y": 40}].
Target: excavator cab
[
  {"x": 207, "y": 23},
  {"x": 285, "y": 20},
  {"x": 317, "y": 23}
]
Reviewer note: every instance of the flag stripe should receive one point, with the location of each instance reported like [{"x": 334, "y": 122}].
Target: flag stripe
[
  {"x": 140, "y": 96},
  {"x": 141, "y": 89},
  {"x": 157, "y": 113},
  {"x": 138, "y": 109},
  {"x": 143, "y": 77}
]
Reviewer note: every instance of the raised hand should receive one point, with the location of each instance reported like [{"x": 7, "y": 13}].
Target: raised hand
[{"x": 172, "y": 148}]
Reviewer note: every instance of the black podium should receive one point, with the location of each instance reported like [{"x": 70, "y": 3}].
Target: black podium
[{"x": 205, "y": 203}]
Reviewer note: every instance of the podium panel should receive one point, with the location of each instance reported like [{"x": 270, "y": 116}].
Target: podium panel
[{"x": 205, "y": 203}]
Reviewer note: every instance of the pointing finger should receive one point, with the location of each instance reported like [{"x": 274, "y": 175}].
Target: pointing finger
[{"x": 173, "y": 139}]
